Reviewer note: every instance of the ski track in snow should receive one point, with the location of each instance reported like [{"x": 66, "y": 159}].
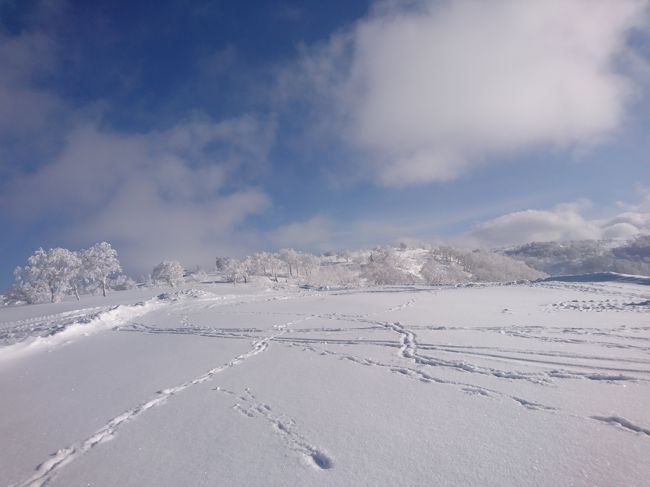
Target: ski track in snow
[{"x": 284, "y": 426}]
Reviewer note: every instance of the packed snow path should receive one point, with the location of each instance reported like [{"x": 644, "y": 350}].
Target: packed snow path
[{"x": 543, "y": 384}]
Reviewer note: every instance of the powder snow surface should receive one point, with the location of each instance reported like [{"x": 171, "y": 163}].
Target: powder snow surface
[{"x": 527, "y": 384}]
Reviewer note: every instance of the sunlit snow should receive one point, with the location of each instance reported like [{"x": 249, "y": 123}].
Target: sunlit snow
[{"x": 524, "y": 384}]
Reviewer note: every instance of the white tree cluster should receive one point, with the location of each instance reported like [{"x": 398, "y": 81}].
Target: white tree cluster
[
  {"x": 386, "y": 265},
  {"x": 423, "y": 263},
  {"x": 446, "y": 265},
  {"x": 168, "y": 272},
  {"x": 52, "y": 274},
  {"x": 288, "y": 263}
]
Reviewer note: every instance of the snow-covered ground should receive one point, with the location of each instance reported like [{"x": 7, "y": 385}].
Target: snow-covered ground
[{"x": 528, "y": 384}]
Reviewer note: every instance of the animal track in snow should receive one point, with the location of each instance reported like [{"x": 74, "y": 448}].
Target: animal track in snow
[
  {"x": 285, "y": 427},
  {"x": 622, "y": 423},
  {"x": 49, "y": 468},
  {"x": 422, "y": 376},
  {"x": 616, "y": 305}
]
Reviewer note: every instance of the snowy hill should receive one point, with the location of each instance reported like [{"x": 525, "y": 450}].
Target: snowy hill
[{"x": 401, "y": 264}]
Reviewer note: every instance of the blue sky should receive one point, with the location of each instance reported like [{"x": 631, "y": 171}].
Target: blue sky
[{"x": 186, "y": 129}]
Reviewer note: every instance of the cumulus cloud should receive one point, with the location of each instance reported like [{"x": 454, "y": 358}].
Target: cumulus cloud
[
  {"x": 564, "y": 222},
  {"x": 635, "y": 220},
  {"x": 428, "y": 91}
]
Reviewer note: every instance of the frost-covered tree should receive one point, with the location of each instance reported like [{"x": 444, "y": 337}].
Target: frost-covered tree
[
  {"x": 257, "y": 264},
  {"x": 308, "y": 263},
  {"x": 446, "y": 265},
  {"x": 489, "y": 266},
  {"x": 168, "y": 271},
  {"x": 384, "y": 266},
  {"x": 26, "y": 291},
  {"x": 290, "y": 258},
  {"x": 273, "y": 264},
  {"x": 345, "y": 255},
  {"x": 197, "y": 275},
  {"x": 247, "y": 268},
  {"x": 334, "y": 276},
  {"x": 435, "y": 271},
  {"x": 222, "y": 263},
  {"x": 238, "y": 270},
  {"x": 53, "y": 272},
  {"x": 120, "y": 282},
  {"x": 98, "y": 263}
]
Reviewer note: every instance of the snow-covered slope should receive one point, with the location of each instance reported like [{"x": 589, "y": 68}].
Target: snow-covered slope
[{"x": 242, "y": 385}]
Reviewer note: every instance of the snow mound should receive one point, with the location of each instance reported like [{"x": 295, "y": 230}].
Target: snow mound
[
  {"x": 61, "y": 332},
  {"x": 185, "y": 294}
]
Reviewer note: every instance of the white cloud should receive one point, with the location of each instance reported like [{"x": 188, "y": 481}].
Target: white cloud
[
  {"x": 164, "y": 194},
  {"x": 314, "y": 233},
  {"x": 564, "y": 222},
  {"x": 535, "y": 226},
  {"x": 180, "y": 192},
  {"x": 427, "y": 92}
]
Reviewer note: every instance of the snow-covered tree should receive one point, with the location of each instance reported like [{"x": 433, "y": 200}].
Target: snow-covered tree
[
  {"x": 384, "y": 266},
  {"x": 54, "y": 272},
  {"x": 334, "y": 276},
  {"x": 98, "y": 263},
  {"x": 345, "y": 255},
  {"x": 238, "y": 270},
  {"x": 120, "y": 282},
  {"x": 446, "y": 265},
  {"x": 222, "y": 263},
  {"x": 272, "y": 264},
  {"x": 196, "y": 275},
  {"x": 290, "y": 258},
  {"x": 443, "y": 266},
  {"x": 26, "y": 291},
  {"x": 247, "y": 268},
  {"x": 308, "y": 263},
  {"x": 264, "y": 264},
  {"x": 168, "y": 271},
  {"x": 489, "y": 266}
]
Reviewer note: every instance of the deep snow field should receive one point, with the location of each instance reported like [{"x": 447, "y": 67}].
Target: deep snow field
[{"x": 543, "y": 384}]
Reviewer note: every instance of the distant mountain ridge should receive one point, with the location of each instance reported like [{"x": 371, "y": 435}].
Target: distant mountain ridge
[
  {"x": 601, "y": 277},
  {"x": 582, "y": 257}
]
